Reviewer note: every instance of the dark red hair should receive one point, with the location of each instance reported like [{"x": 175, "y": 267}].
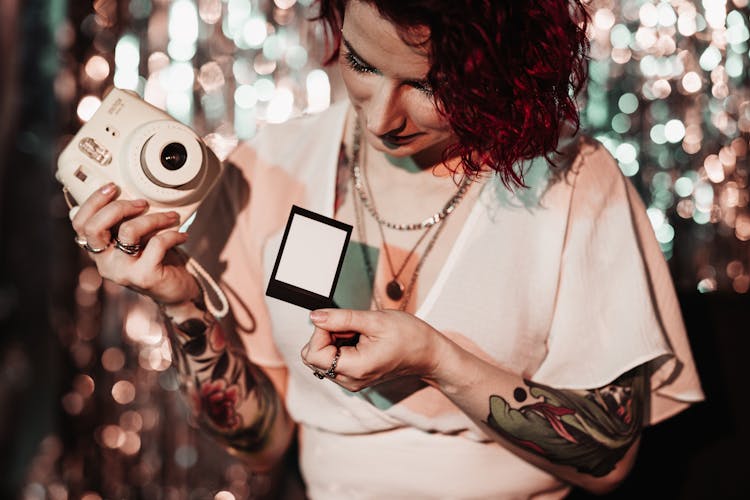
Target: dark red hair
[{"x": 505, "y": 72}]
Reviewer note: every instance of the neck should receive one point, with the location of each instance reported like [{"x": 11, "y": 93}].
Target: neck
[
  {"x": 405, "y": 163},
  {"x": 428, "y": 160}
]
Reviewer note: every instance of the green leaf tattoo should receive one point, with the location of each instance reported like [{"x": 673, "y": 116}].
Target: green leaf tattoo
[{"x": 589, "y": 430}]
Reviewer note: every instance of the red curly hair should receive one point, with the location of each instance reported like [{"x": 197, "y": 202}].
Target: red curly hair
[{"x": 505, "y": 73}]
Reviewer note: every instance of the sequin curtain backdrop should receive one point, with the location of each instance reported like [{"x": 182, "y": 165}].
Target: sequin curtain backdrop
[
  {"x": 668, "y": 96},
  {"x": 30, "y": 356},
  {"x": 225, "y": 68}
]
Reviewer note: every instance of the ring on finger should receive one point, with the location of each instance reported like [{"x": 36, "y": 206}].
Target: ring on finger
[
  {"x": 331, "y": 373},
  {"x": 131, "y": 249},
  {"x": 81, "y": 242}
]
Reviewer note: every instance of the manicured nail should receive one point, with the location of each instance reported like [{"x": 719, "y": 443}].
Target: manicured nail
[
  {"x": 318, "y": 316},
  {"x": 108, "y": 188}
]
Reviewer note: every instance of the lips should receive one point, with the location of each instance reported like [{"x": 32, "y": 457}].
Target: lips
[{"x": 398, "y": 140}]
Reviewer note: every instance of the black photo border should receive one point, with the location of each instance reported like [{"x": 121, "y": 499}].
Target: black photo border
[{"x": 294, "y": 294}]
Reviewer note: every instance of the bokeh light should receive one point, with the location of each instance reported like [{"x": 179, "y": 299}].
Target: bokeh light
[{"x": 668, "y": 96}]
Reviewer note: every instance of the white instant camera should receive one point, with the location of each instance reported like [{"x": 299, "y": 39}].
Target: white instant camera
[{"x": 144, "y": 151}]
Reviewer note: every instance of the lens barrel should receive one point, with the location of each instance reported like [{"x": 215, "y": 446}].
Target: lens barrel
[{"x": 173, "y": 156}]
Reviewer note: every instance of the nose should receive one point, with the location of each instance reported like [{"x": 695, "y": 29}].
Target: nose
[{"x": 384, "y": 111}]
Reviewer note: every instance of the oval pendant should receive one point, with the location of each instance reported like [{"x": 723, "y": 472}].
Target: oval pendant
[{"x": 394, "y": 290}]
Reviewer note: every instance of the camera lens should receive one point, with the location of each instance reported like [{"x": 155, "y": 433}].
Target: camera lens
[{"x": 173, "y": 156}]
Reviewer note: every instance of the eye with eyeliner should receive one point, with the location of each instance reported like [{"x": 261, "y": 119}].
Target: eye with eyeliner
[
  {"x": 423, "y": 87},
  {"x": 357, "y": 65}
]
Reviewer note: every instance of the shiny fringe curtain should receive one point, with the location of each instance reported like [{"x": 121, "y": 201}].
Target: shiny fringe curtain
[{"x": 88, "y": 405}]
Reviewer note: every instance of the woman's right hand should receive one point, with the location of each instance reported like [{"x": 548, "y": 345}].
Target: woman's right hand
[{"x": 157, "y": 271}]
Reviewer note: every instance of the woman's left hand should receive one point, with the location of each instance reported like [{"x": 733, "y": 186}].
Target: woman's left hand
[{"x": 391, "y": 344}]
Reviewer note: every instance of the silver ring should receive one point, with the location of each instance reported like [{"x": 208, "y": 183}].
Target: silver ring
[
  {"x": 332, "y": 370},
  {"x": 130, "y": 249},
  {"x": 91, "y": 249},
  {"x": 331, "y": 373},
  {"x": 81, "y": 242}
]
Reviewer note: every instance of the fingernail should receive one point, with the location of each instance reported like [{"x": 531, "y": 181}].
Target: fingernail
[
  {"x": 174, "y": 215},
  {"x": 318, "y": 316},
  {"x": 140, "y": 203},
  {"x": 107, "y": 188}
]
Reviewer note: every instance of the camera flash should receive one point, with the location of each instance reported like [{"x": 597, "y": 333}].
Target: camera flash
[{"x": 95, "y": 151}]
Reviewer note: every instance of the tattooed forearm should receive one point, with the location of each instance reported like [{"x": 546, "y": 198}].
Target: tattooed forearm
[
  {"x": 231, "y": 397},
  {"x": 589, "y": 430}
]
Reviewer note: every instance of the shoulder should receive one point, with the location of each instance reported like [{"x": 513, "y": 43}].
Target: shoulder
[
  {"x": 593, "y": 160},
  {"x": 286, "y": 143},
  {"x": 302, "y": 131},
  {"x": 589, "y": 172},
  {"x": 580, "y": 167}
]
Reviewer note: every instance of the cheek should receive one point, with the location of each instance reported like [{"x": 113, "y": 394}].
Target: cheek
[
  {"x": 424, "y": 113},
  {"x": 356, "y": 86}
]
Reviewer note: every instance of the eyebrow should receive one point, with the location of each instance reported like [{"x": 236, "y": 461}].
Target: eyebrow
[{"x": 420, "y": 81}]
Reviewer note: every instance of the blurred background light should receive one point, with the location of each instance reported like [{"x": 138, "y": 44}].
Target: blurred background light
[{"x": 667, "y": 96}]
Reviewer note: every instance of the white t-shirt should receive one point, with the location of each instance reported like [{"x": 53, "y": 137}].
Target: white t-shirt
[{"x": 562, "y": 283}]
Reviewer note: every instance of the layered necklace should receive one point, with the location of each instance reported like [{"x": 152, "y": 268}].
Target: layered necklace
[{"x": 395, "y": 288}]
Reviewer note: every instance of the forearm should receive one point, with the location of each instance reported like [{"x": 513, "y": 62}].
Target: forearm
[
  {"x": 587, "y": 438},
  {"x": 233, "y": 399}
]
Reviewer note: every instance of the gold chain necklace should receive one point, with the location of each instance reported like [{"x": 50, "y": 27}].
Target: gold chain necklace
[{"x": 395, "y": 290}]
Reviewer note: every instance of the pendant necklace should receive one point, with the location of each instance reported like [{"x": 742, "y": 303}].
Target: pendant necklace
[{"x": 395, "y": 289}]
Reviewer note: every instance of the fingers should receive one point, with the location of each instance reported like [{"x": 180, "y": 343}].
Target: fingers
[
  {"x": 321, "y": 354},
  {"x": 334, "y": 325},
  {"x": 99, "y": 226},
  {"x": 96, "y": 201},
  {"x": 320, "y": 339},
  {"x": 92, "y": 205},
  {"x": 134, "y": 230},
  {"x": 317, "y": 350},
  {"x": 391, "y": 344},
  {"x": 158, "y": 246},
  {"x": 97, "y": 219}
]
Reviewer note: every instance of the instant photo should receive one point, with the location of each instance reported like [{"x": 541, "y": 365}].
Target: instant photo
[{"x": 309, "y": 260}]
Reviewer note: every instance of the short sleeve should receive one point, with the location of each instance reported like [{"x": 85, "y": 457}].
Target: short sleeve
[{"x": 615, "y": 306}]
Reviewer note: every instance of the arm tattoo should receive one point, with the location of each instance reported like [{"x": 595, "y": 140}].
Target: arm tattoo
[
  {"x": 231, "y": 397},
  {"x": 589, "y": 430}
]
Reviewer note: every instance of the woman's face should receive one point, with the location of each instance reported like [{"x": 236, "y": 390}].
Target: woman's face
[{"x": 385, "y": 79}]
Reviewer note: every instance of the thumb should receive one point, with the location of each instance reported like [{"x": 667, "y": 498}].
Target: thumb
[{"x": 343, "y": 320}]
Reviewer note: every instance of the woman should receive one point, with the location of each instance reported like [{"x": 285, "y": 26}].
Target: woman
[{"x": 511, "y": 344}]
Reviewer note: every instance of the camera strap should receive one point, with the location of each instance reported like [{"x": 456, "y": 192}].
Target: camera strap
[{"x": 203, "y": 279}]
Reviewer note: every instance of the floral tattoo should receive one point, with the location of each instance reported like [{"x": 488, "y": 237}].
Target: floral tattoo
[
  {"x": 231, "y": 397},
  {"x": 589, "y": 430}
]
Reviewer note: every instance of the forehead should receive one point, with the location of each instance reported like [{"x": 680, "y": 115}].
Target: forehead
[{"x": 382, "y": 43}]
